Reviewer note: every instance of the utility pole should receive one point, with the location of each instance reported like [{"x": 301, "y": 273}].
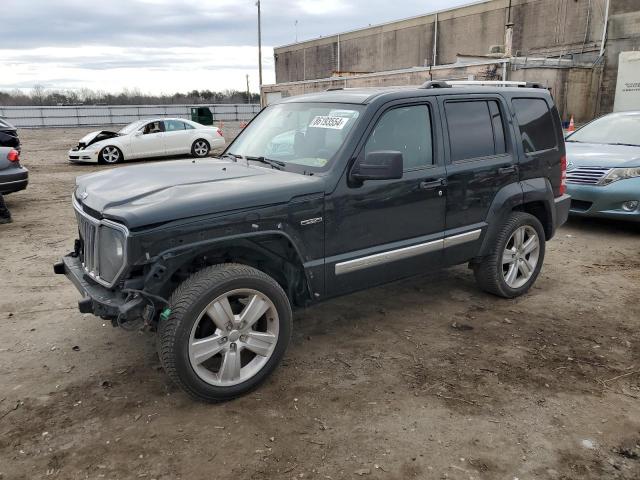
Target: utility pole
[
  {"x": 296, "y": 24},
  {"x": 248, "y": 92},
  {"x": 259, "y": 46},
  {"x": 604, "y": 29}
]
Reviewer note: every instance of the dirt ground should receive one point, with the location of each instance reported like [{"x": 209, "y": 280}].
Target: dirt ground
[{"x": 380, "y": 384}]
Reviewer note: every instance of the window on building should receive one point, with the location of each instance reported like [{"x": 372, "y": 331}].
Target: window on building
[
  {"x": 406, "y": 130},
  {"x": 536, "y": 124},
  {"x": 476, "y": 129}
]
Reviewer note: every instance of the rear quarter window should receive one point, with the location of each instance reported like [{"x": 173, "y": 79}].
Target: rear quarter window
[{"x": 535, "y": 121}]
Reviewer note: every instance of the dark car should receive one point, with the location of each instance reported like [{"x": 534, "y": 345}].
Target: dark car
[
  {"x": 320, "y": 195},
  {"x": 13, "y": 176},
  {"x": 8, "y": 135}
]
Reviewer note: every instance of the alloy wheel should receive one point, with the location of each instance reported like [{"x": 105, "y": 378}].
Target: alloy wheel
[
  {"x": 201, "y": 148},
  {"x": 233, "y": 337},
  {"x": 520, "y": 256},
  {"x": 110, "y": 154}
]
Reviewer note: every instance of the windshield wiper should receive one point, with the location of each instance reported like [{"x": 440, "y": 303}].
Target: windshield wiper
[
  {"x": 626, "y": 144},
  {"x": 274, "y": 163}
]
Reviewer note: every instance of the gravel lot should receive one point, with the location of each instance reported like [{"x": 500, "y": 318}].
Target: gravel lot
[{"x": 379, "y": 384}]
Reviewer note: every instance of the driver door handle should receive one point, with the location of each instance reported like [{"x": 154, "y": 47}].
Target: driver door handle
[
  {"x": 430, "y": 184},
  {"x": 509, "y": 169}
]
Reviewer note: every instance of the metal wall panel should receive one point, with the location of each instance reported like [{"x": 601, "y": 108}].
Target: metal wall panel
[{"x": 94, "y": 115}]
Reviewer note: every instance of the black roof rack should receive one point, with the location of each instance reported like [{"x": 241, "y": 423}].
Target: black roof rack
[
  {"x": 480, "y": 83},
  {"x": 333, "y": 89}
]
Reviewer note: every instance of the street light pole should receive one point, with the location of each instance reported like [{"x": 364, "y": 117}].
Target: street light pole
[{"x": 259, "y": 45}]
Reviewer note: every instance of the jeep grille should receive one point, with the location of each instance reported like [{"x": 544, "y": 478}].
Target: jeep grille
[{"x": 88, "y": 230}]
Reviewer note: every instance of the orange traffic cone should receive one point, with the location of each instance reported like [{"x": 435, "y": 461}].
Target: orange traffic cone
[{"x": 572, "y": 125}]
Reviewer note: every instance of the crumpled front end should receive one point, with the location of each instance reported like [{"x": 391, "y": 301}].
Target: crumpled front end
[
  {"x": 98, "y": 267},
  {"x": 83, "y": 153}
]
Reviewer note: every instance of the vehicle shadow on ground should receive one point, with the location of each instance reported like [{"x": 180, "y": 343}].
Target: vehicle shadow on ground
[{"x": 603, "y": 225}]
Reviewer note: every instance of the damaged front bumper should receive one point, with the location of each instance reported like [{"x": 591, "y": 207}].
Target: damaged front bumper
[
  {"x": 103, "y": 302},
  {"x": 83, "y": 156}
]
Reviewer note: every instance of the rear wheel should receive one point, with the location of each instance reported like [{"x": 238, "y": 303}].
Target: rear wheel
[
  {"x": 228, "y": 329},
  {"x": 110, "y": 154},
  {"x": 200, "y": 148},
  {"x": 514, "y": 263}
]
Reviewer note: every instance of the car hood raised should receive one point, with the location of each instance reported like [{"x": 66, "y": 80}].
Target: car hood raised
[
  {"x": 95, "y": 137},
  {"x": 161, "y": 192},
  {"x": 601, "y": 155}
]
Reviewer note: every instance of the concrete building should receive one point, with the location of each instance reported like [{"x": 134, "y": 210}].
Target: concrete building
[{"x": 560, "y": 43}]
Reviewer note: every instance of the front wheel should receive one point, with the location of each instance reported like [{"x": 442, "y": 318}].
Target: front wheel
[
  {"x": 228, "y": 329},
  {"x": 200, "y": 148},
  {"x": 513, "y": 264},
  {"x": 110, "y": 154}
]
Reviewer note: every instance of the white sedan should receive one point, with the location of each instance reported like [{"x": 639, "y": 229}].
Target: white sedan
[{"x": 148, "y": 138}]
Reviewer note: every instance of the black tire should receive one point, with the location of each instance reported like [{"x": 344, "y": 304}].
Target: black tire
[
  {"x": 189, "y": 300},
  {"x": 200, "y": 148},
  {"x": 489, "y": 272},
  {"x": 106, "y": 156}
]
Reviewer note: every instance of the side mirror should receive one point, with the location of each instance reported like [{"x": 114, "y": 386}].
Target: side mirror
[{"x": 380, "y": 165}]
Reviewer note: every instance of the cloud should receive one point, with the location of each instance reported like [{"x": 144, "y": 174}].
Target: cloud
[
  {"x": 324, "y": 7},
  {"x": 168, "y": 45}
]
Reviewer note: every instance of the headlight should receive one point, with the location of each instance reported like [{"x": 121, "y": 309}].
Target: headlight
[
  {"x": 111, "y": 252},
  {"x": 620, "y": 174}
]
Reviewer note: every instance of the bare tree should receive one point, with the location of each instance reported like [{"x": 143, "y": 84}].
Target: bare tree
[{"x": 39, "y": 95}]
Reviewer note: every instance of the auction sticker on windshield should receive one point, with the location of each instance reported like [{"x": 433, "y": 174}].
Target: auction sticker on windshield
[{"x": 323, "y": 121}]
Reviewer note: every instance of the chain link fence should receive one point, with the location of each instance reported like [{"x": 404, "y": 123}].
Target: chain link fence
[{"x": 93, "y": 115}]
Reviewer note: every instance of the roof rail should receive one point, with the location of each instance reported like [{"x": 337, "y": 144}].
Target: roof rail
[
  {"x": 332, "y": 89},
  {"x": 496, "y": 83},
  {"x": 435, "y": 84},
  {"x": 487, "y": 83}
]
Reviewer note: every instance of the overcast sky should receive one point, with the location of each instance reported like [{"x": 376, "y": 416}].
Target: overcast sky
[{"x": 169, "y": 45}]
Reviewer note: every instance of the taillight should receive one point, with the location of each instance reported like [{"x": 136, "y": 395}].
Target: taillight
[
  {"x": 14, "y": 155},
  {"x": 563, "y": 175},
  {"x": 219, "y": 132}
]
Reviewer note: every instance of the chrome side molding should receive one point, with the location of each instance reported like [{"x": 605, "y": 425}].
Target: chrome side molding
[{"x": 405, "y": 252}]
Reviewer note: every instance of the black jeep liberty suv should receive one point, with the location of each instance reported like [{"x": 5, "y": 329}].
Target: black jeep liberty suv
[{"x": 320, "y": 195}]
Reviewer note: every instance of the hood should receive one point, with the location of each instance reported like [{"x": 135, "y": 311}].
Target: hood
[
  {"x": 161, "y": 192},
  {"x": 6, "y": 126},
  {"x": 601, "y": 155},
  {"x": 94, "y": 137}
]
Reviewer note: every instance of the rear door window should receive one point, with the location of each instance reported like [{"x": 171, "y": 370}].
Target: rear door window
[
  {"x": 536, "y": 124},
  {"x": 173, "y": 125},
  {"x": 476, "y": 129}
]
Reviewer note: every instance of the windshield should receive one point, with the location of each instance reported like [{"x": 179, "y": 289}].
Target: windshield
[
  {"x": 131, "y": 127},
  {"x": 610, "y": 129},
  {"x": 305, "y": 134}
]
